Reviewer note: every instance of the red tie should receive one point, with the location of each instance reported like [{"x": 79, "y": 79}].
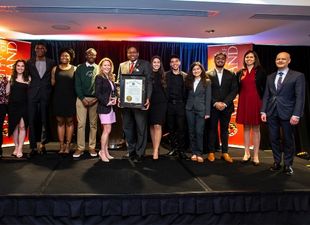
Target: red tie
[{"x": 132, "y": 66}]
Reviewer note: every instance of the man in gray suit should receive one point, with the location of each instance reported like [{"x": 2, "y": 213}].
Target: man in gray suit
[
  {"x": 283, "y": 105},
  {"x": 135, "y": 120}
]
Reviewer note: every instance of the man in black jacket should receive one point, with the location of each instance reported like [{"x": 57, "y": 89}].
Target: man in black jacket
[{"x": 40, "y": 88}]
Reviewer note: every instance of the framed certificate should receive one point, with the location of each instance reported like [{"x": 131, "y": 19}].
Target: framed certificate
[{"x": 132, "y": 91}]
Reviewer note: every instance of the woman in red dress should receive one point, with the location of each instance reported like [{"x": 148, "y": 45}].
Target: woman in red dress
[{"x": 252, "y": 80}]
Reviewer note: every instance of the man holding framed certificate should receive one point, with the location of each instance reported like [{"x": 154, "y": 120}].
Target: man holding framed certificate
[{"x": 134, "y": 77}]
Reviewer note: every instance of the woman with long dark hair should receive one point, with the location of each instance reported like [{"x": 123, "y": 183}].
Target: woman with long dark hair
[
  {"x": 158, "y": 106},
  {"x": 18, "y": 110},
  {"x": 252, "y": 81},
  {"x": 197, "y": 107}
]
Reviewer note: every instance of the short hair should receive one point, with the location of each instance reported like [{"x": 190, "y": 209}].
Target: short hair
[
  {"x": 89, "y": 50},
  {"x": 174, "y": 56},
  {"x": 41, "y": 42},
  {"x": 70, "y": 51},
  {"x": 132, "y": 47},
  {"x": 220, "y": 53}
]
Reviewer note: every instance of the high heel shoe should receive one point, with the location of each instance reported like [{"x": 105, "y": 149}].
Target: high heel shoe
[
  {"x": 255, "y": 162},
  {"x": 102, "y": 157},
  {"x": 246, "y": 160}
]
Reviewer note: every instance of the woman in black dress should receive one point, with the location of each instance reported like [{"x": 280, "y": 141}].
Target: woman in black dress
[
  {"x": 64, "y": 98},
  {"x": 18, "y": 110},
  {"x": 158, "y": 106}
]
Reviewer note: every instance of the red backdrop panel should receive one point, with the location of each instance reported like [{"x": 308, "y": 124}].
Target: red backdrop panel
[
  {"x": 10, "y": 51},
  {"x": 234, "y": 62}
]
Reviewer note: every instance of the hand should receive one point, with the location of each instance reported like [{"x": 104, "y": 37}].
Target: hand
[
  {"x": 85, "y": 102},
  {"x": 263, "y": 117},
  {"x": 147, "y": 104},
  {"x": 92, "y": 102},
  {"x": 294, "y": 120},
  {"x": 118, "y": 103},
  {"x": 207, "y": 117}
]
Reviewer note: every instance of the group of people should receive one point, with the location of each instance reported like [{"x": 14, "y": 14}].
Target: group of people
[{"x": 174, "y": 99}]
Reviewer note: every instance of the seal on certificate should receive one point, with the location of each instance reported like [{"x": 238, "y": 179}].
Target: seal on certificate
[{"x": 128, "y": 98}]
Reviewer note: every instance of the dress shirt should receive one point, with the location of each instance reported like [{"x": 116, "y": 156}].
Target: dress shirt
[
  {"x": 196, "y": 82},
  {"x": 219, "y": 75},
  {"x": 285, "y": 71}
]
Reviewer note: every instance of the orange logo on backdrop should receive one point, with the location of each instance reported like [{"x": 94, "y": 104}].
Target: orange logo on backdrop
[
  {"x": 234, "y": 62},
  {"x": 10, "y": 51}
]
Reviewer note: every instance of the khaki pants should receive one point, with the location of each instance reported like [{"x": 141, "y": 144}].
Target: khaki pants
[{"x": 81, "y": 114}]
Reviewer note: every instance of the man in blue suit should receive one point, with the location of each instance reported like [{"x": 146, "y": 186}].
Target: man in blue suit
[{"x": 283, "y": 105}]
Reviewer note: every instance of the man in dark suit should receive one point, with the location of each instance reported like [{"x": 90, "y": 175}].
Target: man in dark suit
[
  {"x": 283, "y": 105},
  {"x": 224, "y": 90},
  {"x": 135, "y": 120},
  {"x": 40, "y": 88}
]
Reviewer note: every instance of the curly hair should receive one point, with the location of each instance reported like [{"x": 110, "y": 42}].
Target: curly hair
[
  {"x": 189, "y": 80},
  {"x": 70, "y": 51},
  {"x": 14, "y": 71}
]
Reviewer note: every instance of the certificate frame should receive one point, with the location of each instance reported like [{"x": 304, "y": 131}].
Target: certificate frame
[{"x": 132, "y": 91}]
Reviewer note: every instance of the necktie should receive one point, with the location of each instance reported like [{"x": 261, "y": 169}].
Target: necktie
[
  {"x": 279, "y": 83},
  {"x": 132, "y": 66}
]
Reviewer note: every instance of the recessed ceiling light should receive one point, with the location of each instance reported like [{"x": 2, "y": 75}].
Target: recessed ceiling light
[
  {"x": 61, "y": 27},
  {"x": 101, "y": 27},
  {"x": 211, "y": 31}
]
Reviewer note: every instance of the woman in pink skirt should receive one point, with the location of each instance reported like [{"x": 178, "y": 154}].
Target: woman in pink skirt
[{"x": 105, "y": 92}]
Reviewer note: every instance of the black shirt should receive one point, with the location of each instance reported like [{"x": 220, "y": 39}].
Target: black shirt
[{"x": 175, "y": 87}]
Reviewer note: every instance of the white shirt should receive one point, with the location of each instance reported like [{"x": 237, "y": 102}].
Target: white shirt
[
  {"x": 285, "y": 71},
  {"x": 196, "y": 82},
  {"x": 90, "y": 65},
  {"x": 219, "y": 75}
]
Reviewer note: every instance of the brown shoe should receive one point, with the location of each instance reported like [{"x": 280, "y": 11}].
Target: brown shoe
[
  {"x": 92, "y": 152},
  {"x": 78, "y": 153},
  {"x": 211, "y": 157},
  {"x": 227, "y": 158},
  {"x": 200, "y": 159},
  {"x": 194, "y": 158}
]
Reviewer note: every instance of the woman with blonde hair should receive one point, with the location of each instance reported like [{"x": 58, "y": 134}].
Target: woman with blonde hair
[{"x": 105, "y": 92}]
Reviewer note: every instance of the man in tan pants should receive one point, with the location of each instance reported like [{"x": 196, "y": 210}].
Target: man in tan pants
[{"x": 86, "y": 103}]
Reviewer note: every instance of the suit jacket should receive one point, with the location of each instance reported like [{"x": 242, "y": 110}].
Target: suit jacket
[
  {"x": 103, "y": 91},
  {"x": 200, "y": 100},
  {"x": 142, "y": 67},
  {"x": 289, "y": 100},
  {"x": 260, "y": 80},
  {"x": 40, "y": 88},
  {"x": 227, "y": 91}
]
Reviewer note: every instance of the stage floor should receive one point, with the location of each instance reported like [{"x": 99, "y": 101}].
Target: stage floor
[{"x": 52, "y": 174}]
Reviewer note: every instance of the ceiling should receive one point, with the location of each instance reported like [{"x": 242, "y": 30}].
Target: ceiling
[{"x": 281, "y": 22}]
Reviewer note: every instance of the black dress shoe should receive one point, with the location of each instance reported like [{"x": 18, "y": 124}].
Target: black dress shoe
[
  {"x": 275, "y": 167},
  {"x": 288, "y": 170},
  {"x": 33, "y": 152},
  {"x": 182, "y": 155},
  {"x": 138, "y": 159},
  {"x": 172, "y": 153}
]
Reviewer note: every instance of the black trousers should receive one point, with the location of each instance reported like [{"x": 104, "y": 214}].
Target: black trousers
[
  {"x": 135, "y": 130},
  {"x": 175, "y": 123},
  {"x": 38, "y": 122},
  {"x": 223, "y": 117}
]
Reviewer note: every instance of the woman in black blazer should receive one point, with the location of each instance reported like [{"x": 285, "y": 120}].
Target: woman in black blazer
[
  {"x": 197, "y": 107},
  {"x": 252, "y": 81},
  {"x": 105, "y": 92}
]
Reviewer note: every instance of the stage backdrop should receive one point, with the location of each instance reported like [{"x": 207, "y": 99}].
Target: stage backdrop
[
  {"x": 234, "y": 63},
  {"x": 10, "y": 51}
]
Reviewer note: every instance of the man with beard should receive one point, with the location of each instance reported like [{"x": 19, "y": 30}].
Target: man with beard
[
  {"x": 176, "y": 108},
  {"x": 224, "y": 90},
  {"x": 39, "y": 92},
  {"x": 86, "y": 102},
  {"x": 134, "y": 119}
]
